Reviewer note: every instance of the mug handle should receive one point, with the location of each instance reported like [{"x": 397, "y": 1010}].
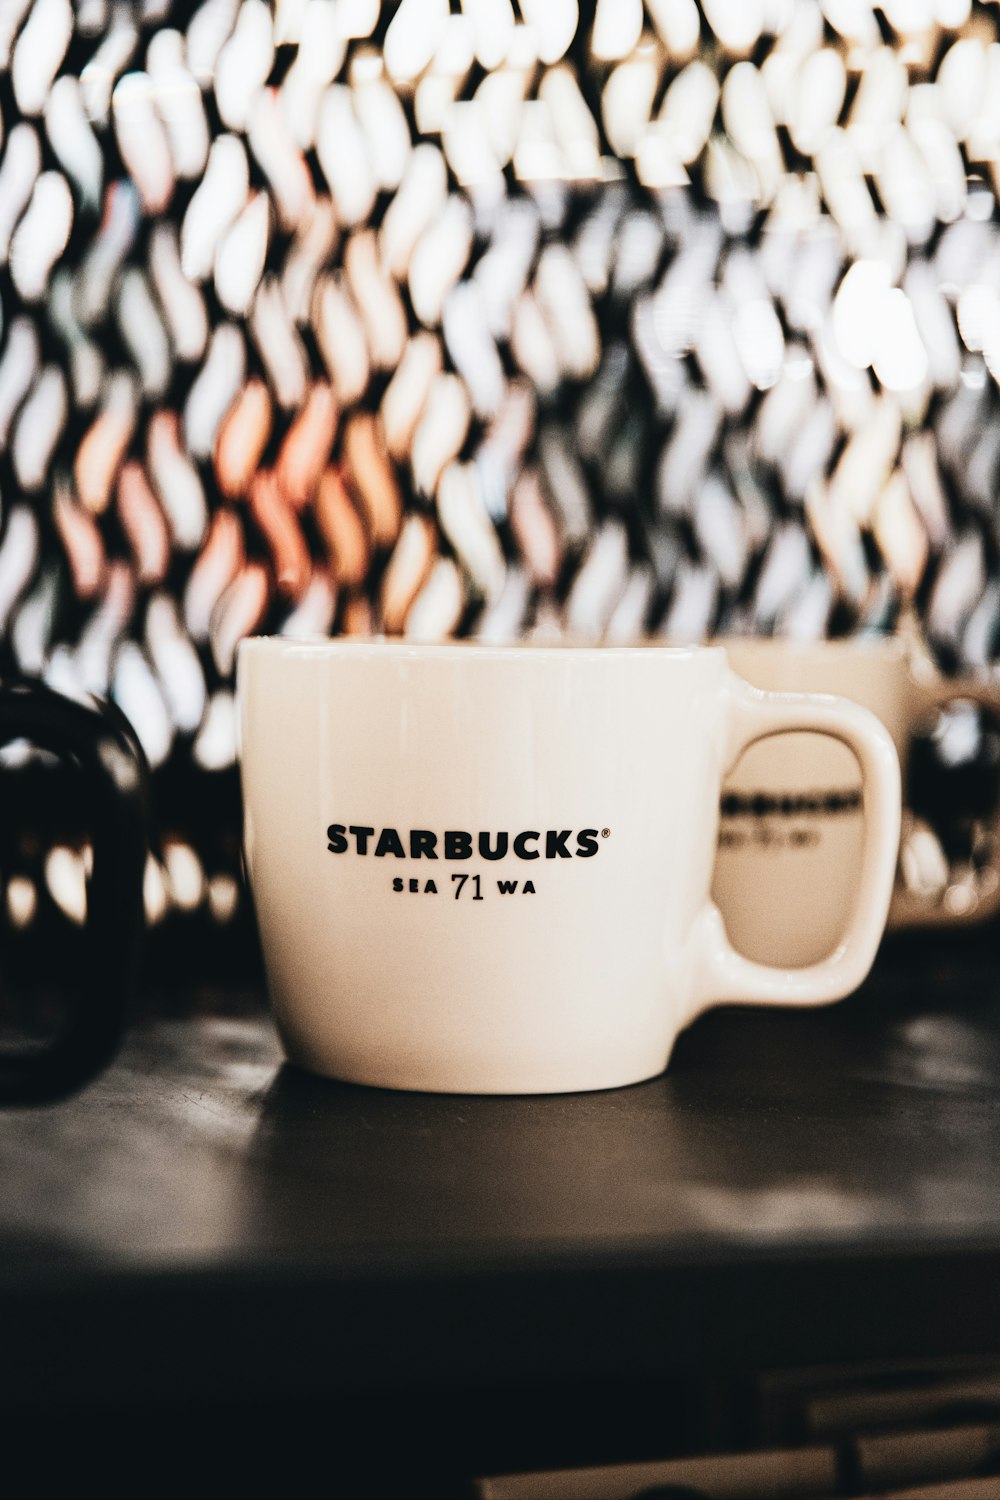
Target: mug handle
[
  {"x": 101, "y": 742},
  {"x": 909, "y": 909},
  {"x": 722, "y": 974}
]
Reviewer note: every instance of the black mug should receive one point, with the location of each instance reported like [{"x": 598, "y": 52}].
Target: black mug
[{"x": 100, "y": 742}]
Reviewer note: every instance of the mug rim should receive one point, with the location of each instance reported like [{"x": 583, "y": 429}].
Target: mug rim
[{"x": 327, "y": 647}]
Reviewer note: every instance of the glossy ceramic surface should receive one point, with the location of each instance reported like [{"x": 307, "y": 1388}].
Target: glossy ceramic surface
[{"x": 486, "y": 869}]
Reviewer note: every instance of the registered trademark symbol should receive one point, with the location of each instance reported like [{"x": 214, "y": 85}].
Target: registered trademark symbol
[{"x": 605, "y": 833}]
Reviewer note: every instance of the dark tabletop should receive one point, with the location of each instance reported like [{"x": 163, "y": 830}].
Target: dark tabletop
[{"x": 809, "y": 1185}]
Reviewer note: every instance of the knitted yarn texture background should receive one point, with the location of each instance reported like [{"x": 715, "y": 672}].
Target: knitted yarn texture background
[{"x": 489, "y": 318}]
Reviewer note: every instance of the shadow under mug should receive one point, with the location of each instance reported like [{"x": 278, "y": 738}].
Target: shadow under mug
[
  {"x": 486, "y": 869},
  {"x": 98, "y": 740},
  {"x": 791, "y": 831}
]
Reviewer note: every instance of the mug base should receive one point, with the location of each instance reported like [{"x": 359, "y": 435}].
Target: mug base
[{"x": 482, "y": 1082}]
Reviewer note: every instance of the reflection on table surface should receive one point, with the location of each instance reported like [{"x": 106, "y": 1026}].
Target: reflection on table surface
[{"x": 861, "y": 1125}]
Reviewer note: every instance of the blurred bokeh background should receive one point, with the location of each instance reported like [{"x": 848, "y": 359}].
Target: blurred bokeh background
[{"x": 475, "y": 317}]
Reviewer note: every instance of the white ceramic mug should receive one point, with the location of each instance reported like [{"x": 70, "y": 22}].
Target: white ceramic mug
[
  {"x": 791, "y": 833},
  {"x": 482, "y": 869}
]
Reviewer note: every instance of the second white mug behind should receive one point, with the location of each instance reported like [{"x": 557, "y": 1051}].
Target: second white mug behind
[{"x": 791, "y": 828}]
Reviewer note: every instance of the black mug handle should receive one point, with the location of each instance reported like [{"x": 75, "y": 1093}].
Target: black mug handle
[{"x": 101, "y": 742}]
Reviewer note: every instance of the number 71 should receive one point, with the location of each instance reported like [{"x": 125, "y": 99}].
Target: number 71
[{"x": 461, "y": 882}]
